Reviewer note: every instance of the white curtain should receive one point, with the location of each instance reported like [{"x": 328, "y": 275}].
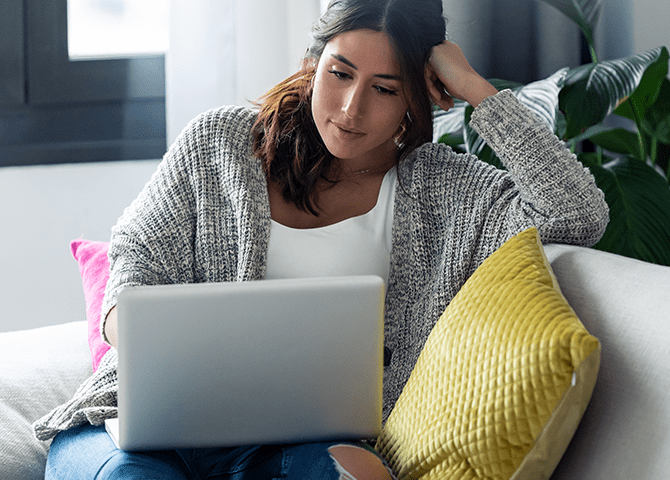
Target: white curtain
[
  {"x": 520, "y": 40},
  {"x": 229, "y": 52},
  {"x": 527, "y": 40}
]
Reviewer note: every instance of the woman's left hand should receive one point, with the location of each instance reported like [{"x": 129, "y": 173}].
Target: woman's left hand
[{"x": 449, "y": 76}]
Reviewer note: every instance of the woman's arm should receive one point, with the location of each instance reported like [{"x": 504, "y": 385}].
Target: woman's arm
[
  {"x": 151, "y": 243},
  {"x": 552, "y": 189},
  {"x": 449, "y": 76},
  {"x": 184, "y": 225}
]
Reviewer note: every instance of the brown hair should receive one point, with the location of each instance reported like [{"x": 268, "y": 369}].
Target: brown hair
[{"x": 285, "y": 136}]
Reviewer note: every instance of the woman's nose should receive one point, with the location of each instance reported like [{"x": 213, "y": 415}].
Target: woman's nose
[{"x": 354, "y": 103}]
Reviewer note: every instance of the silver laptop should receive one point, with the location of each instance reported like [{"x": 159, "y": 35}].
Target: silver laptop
[{"x": 272, "y": 361}]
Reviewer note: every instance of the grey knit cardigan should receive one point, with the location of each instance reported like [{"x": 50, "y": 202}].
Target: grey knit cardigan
[{"x": 205, "y": 217}]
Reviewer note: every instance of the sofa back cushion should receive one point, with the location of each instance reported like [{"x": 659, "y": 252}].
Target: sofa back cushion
[
  {"x": 624, "y": 433},
  {"x": 39, "y": 370}
]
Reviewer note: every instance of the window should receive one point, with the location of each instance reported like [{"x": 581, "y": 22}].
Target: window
[
  {"x": 117, "y": 28},
  {"x": 61, "y": 108}
]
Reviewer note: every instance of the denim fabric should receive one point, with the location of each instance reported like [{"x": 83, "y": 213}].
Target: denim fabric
[{"x": 87, "y": 452}]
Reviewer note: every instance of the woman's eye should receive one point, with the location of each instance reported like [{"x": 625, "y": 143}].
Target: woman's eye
[
  {"x": 338, "y": 74},
  {"x": 385, "y": 91}
]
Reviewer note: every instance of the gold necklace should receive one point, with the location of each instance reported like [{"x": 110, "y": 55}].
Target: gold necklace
[{"x": 384, "y": 167}]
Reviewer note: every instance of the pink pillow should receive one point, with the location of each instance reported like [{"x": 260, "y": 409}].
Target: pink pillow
[{"x": 94, "y": 269}]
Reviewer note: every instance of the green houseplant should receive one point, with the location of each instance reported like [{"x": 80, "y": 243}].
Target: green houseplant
[{"x": 629, "y": 164}]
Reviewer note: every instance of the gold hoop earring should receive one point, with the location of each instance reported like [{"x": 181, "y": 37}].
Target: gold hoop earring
[{"x": 402, "y": 128}]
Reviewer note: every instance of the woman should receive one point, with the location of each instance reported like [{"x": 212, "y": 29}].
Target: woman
[{"x": 333, "y": 176}]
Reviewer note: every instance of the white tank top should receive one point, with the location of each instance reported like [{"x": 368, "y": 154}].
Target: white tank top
[{"x": 356, "y": 246}]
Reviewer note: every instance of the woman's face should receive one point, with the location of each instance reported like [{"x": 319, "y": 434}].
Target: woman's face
[{"x": 358, "y": 102}]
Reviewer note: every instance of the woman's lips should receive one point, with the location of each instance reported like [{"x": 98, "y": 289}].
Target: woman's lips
[{"x": 347, "y": 129}]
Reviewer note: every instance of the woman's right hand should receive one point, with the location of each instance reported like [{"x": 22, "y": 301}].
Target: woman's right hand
[
  {"x": 111, "y": 327},
  {"x": 449, "y": 75}
]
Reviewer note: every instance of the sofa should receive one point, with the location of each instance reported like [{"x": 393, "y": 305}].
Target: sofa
[{"x": 624, "y": 433}]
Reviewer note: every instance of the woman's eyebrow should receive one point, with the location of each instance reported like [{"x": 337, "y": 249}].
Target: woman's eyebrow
[{"x": 346, "y": 61}]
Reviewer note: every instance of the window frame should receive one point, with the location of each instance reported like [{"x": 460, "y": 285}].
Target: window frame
[
  {"x": 57, "y": 110},
  {"x": 55, "y": 78},
  {"x": 12, "y": 78}
]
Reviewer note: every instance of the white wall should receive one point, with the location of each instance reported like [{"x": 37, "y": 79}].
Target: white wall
[
  {"x": 200, "y": 64},
  {"x": 614, "y": 32},
  {"x": 628, "y": 27},
  {"x": 42, "y": 209},
  {"x": 230, "y": 52},
  {"x": 650, "y": 24}
]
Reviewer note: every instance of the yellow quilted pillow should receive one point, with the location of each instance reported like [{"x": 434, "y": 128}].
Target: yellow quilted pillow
[{"x": 502, "y": 381}]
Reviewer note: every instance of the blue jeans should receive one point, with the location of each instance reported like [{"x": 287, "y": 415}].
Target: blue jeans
[{"x": 87, "y": 452}]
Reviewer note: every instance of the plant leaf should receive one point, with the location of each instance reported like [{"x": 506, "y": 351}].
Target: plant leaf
[
  {"x": 657, "y": 120},
  {"x": 542, "y": 96},
  {"x": 639, "y": 201},
  {"x": 585, "y": 13},
  {"x": 455, "y": 141},
  {"x": 586, "y": 134},
  {"x": 646, "y": 94},
  {"x": 619, "y": 140},
  {"x": 449, "y": 122},
  {"x": 593, "y": 91}
]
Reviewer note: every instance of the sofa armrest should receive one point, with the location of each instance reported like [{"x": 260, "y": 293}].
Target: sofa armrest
[
  {"x": 626, "y": 304},
  {"x": 39, "y": 370}
]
